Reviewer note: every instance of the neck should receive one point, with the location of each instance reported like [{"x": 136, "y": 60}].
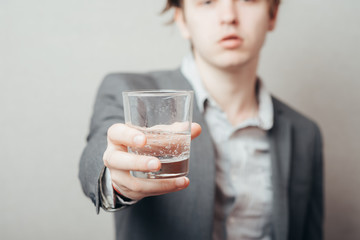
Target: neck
[{"x": 234, "y": 89}]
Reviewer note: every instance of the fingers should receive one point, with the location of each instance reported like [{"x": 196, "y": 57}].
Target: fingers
[
  {"x": 128, "y": 161},
  {"x": 137, "y": 188},
  {"x": 116, "y": 156},
  {"x": 154, "y": 187},
  {"x": 122, "y": 134},
  {"x": 126, "y": 136},
  {"x": 120, "y": 163},
  {"x": 195, "y": 130}
]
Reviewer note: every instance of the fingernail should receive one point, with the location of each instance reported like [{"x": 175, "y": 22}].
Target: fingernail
[
  {"x": 153, "y": 164},
  {"x": 139, "y": 139},
  {"x": 180, "y": 182}
]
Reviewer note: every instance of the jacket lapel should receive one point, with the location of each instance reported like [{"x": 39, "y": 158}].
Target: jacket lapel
[{"x": 280, "y": 148}]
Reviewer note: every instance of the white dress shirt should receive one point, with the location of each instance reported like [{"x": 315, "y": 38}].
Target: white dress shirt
[{"x": 243, "y": 201}]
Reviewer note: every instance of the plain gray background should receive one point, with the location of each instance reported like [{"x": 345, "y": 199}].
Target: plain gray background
[{"x": 53, "y": 55}]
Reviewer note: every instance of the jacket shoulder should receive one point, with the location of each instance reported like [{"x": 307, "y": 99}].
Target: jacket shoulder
[
  {"x": 129, "y": 81},
  {"x": 126, "y": 81},
  {"x": 168, "y": 79}
]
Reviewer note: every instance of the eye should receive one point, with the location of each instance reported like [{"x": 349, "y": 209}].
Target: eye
[{"x": 208, "y": 2}]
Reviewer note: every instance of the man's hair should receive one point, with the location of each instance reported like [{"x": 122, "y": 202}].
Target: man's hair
[{"x": 178, "y": 3}]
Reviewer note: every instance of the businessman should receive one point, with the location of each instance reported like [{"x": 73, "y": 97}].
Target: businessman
[{"x": 256, "y": 164}]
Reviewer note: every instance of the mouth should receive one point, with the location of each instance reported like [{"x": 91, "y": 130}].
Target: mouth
[
  {"x": 231, "y": 41},
  {"x": 230, "y": 37}
]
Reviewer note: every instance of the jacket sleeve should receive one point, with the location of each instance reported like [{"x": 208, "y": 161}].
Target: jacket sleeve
[
  {"x": 315, "y": 212},
  {"x": 108, "y": 110}
]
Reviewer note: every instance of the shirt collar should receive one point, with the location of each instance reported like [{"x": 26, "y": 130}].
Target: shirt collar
[
  {"x": 189, "y": 70},
  {"x": 265, "y": 118}
]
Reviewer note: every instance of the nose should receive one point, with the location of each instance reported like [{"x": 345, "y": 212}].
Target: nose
[{"x": 228, "y": 12}]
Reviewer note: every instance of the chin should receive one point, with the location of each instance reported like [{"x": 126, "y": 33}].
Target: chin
[{"x": 232, "y": 61}]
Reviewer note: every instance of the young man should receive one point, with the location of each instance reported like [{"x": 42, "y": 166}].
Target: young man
[{"x": 256, "y": 168}]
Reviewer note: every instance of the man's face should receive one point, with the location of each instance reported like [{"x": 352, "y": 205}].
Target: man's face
[{"x": 225, "y": 33}]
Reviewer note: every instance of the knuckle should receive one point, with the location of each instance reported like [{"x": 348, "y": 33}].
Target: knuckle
[
  {"x": 113, "y": 129},
  {"x": 107, "y": 157},
  {"x": 167, "y": 186},
  {"x": 106, "y": 163},
  {"x": 141, "y": 163}
]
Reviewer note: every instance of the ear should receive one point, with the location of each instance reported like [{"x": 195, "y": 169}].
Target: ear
[
  {"x": 273, "y": 19},
  {"x": 179, "y": 18}
]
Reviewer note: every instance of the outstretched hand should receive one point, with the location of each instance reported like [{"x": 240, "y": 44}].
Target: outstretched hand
[{"x": 120, "y": 162}]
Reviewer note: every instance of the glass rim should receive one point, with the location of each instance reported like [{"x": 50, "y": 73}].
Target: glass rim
[{"x": 157, "y": 92}]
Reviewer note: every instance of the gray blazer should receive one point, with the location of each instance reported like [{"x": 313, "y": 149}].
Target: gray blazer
[{"x": 296, "y": 154}]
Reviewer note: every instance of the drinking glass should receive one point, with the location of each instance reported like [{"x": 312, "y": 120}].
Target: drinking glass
[{"x": 164, "y": 116}]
